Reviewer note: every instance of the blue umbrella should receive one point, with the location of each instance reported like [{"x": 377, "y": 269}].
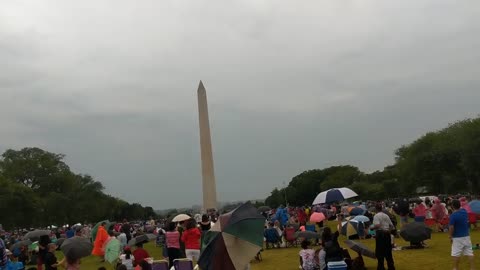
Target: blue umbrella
[
  {"x": 361, "y": 218},
  {"x": 356, "y": 211},
  {"x": 475, "y": 206}
]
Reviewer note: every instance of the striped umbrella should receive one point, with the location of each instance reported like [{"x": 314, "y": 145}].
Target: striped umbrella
[
  {"x": 349, "y": 228},
  {"x": 234, "y": 240},
  {"x": 334, "y": 195}
]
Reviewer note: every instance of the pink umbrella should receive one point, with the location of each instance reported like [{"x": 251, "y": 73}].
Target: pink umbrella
[{"x": 317, "y": 217}]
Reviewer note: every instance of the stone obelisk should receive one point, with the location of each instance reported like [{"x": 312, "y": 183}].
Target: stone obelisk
[{"x": 208, "y": 175}]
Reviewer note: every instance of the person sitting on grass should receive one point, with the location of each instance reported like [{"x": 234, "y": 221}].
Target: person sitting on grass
[
  {"x": 307, "y": 256},
  {"x": 127, "y": 259},
  {"x": 140, "y": 254}
]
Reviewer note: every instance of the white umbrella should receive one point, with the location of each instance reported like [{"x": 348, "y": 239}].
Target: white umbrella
[
  {"x": 334, "y": 195},
  {"x": 180, "y": 218}
]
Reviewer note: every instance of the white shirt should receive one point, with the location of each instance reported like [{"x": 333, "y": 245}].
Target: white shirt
[
  {"x": 128, "y": 263},
  {"x": 383, "y": 220}
]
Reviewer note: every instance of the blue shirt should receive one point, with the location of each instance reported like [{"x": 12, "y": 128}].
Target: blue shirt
[{"x": 459, "y": 221}]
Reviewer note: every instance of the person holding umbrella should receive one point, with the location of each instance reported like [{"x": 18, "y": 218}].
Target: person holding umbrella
[
  {"x": 51, "y": 262},
  {"x": 100, "y": 240}
]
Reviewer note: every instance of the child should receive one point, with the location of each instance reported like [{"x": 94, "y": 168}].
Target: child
[
  {"x": 307, "y": 256},
  {"x": 50, "y": 260},
  {"x": 127, "y": 259}
]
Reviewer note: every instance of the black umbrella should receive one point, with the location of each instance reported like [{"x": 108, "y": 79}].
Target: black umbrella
[
  {"x": 360, "y": 248},
  {"x": 77, "y": 247},
  {"x": 264, "y": 208},
  {"x": 35, "y": 235},
  {"x": 60, "y": 241},
  {"x": 416, "y": 232},
  {"x": 20, "y": 244},
  {"x": 141, "y": 239},
  {"x": 307, "y": 235}
]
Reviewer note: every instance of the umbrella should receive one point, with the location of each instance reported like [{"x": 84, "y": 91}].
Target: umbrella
[
  {"x": 416, "y": 232},
  {"x": 360, "y": 248},
  {"x": 60, "y": 241},
  {"x": 77, "y": 247},
  {"x": 112, "y": 250},
  {"x": 349, "y": 228},
  {"x": 264, "y": 208},
  {"x": 77, "y": 227},
  {"x": 181, "y": 217},
  {"x": 317, "y": 217},
  {"x": 356, "y": 211},
  {"x": 141, "y": 239},
  {"x": 35, "y": 235},
  {"x": 361, "y": 218},
  {"x": 95, "y": 228},
  {"x": 307, "y": 235},
  {"x": 334, "y": 195},
  {"x": 20, "y": 244},
  {"x": 234, "y": 240},
  {"x": 475, "y": 206},
  {"x": 33, "y": 246}
]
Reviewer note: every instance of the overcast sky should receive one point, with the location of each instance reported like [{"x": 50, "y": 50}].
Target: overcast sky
[{"x": 292, "y": 85}]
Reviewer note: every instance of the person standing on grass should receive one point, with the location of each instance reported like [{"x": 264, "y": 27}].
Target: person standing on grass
[
  {"x": 383, "y": 241},
  {"x": 191, "y": 237},
  {"x": 460, "y": 235}
]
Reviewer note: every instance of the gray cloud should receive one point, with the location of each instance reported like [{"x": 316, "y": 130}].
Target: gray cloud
[{"x": 291, "y": 86}]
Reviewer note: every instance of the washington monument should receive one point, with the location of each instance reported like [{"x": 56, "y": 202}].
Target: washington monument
[{"x": 208, "y": 175}]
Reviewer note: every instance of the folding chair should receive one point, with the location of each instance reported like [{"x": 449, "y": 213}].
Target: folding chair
[
  {"x": 290, "y": 237},
  {"x": 310, "y": 228},
  {"x": 182, "y": 264},
  {"x": 160, "y": 265}
]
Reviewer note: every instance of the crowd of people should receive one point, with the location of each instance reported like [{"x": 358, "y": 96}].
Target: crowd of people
[
  {"x": 177, "y": 240},
  {"x": 183, "y": 239},
  {"x": 449, "y": 214}
]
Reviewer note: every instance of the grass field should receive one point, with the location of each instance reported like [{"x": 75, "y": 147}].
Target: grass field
[{"x": 436, "y": 256}]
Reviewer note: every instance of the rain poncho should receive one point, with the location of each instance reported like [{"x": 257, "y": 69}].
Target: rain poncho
[
  {"x": 100, "y": 240},
  {"x": 438, "y": 211},
  {"x": 282, "y": 216}
]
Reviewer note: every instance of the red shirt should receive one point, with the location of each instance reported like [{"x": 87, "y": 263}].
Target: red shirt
[
  {"x": 140, "y": 254},
  {"x": 191, "y": 238}
]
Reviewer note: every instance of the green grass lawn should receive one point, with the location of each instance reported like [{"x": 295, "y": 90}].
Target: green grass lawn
[{"x": 435, "y": 256}]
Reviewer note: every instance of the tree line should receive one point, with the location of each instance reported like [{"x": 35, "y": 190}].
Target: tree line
[
  {"x": 440, "y": 162},
  {"x": 37, "y": 188}
]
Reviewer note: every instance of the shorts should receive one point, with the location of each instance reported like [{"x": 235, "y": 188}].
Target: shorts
[
  {"x": 462, "y": 246},
  {"x": 192, "y": 253}
]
